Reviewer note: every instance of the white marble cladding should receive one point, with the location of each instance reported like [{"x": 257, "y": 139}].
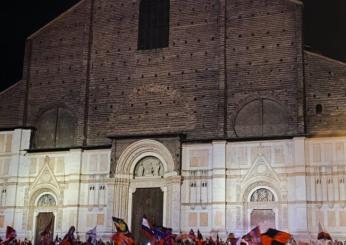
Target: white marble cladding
[
  {"x": 77, "y": 179},
  {"x": 326, "y": 188},
  {"x": 304, "y": 176}
]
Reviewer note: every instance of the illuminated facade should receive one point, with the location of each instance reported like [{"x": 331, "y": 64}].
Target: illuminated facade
[{"x": 222, "y": 124}]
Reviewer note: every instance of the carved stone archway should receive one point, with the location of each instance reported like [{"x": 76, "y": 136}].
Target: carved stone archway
[
  {"x": 143, "y": 148},
  {"x": 261, "y": 205},
  {"x": 262, "y": 195},
  {"x": 147, "y": 164},
  {"x": 46, "y": 200},
  {"x": 42, "y": 200},
  {"x": 44, "y": 215},
  {"x": 149, "y": 167}
]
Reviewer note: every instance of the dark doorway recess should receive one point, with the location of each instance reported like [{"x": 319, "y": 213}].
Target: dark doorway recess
[{"x": 148, "y": 202}]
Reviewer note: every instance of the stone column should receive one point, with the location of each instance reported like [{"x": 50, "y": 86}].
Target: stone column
[
  {"x": 172, "y": 202},
  {"x": 297, "y": 194},
  {"x": 219, "y": 187},
  {"x": 17, "y": 167},
  {"x": 121, "y": 198}
]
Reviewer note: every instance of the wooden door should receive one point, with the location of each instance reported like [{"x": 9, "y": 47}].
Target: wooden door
[
  {"x": 148, "y": 202},
  {"x": 44, "y": 220},
  {"x": 265, "y": 218}
]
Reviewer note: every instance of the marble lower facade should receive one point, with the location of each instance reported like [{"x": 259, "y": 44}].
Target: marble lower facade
[{"x": 290, "y": 184}]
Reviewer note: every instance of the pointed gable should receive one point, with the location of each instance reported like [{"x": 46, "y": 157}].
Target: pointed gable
[{"x": 260, "y": 168}]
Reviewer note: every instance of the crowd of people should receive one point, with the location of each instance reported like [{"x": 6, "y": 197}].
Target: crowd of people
[{"x": 158, "y": 235}]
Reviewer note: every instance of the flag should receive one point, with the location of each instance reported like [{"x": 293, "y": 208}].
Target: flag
[
  {"x": 123, "y": 235},
  {"x": 275, "y": 237},
  {"x": 69, "y": 237},
  {"x": 323, "y": 235},
  {"x": 122, "y": 238},
  {"x": 199, "y": 238},
  {"x": 199, "y": 235},
  {"x": 120, "y": 225},
  {"x": 184, "y": 237},
  {"x": 46, "y": 237},
  {"x": 210, "y": 241},
  {"x": 232, "y": 239},
  {"x": 10, "y": 234},
  {"x": 253, "y": 237},
  {"x": 157, "y": 234},
  {"x": 46, "y": 230},
  {"x": 91, "y": 236},
  {"x": 192, "y": 235},
  {"x": 147, "y": 230},
  {"x": 161, "y": 232},
  {"x": 165, "y": 236}
]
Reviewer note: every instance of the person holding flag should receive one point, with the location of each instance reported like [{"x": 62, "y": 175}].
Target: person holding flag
[
  {"x": 192, "y": 235},
  {"x": 120, "y": 225},
  {"x": 157, "y": 234},
  {"x": 199, "y": 238},
  {"x": 322, "y": 234},
  {"x": 91, "y": 237},
  {"x": 253, "y": 237},
  {"x": 210, "y": 241},
  {"x": 69, "y": 238},
  {"x": 10, "y": 235},
  {"x": 275, "y": 237},
  {"x": 46, "y": 236},
  {"x": 231, "y": 239},
  {"x": 123, "y": 235},
  {"x": 147, "y": 230}
]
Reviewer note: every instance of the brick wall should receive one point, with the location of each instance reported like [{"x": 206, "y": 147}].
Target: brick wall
[
  {"x": 176, "y": 89},
  {"x": 264, "y": 61},
  {"x": 173, "y": 89},
  {"x": 12, "y": 105},
  {"x": 325, "y": 85},
  {"x": 57, "y": 66}
]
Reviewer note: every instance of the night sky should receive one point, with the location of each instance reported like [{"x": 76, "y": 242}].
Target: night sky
[{"x": 324, "y": 29}]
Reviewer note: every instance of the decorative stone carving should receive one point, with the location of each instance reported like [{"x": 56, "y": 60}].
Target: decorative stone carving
[
  {"x": 46, "y": 200},
  {"x": 262, "y": 195},
  {"x": 45, "y": 177},
  {"x": 261, "y": 169},
  {"x": 149, "y": 166}
]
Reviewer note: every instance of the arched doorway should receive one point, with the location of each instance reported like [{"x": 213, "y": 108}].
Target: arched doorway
[
  {"x": 262, "y": 206},
  {"x": 263, "y": 217},
  {"x": 148, "y": 200},
  {"x": 45, "y": 215},
  {"x": 148, "y": 183}
]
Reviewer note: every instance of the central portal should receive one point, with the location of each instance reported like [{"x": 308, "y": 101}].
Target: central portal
[{"x": 148, "y": 202}]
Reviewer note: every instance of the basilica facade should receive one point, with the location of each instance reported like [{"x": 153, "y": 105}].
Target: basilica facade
[{"x": 202, "y": 114}]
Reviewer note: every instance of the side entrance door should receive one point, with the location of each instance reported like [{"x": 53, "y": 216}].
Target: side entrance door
[
  {"x": 43, "y": 221},
  {"x": 265, "y": 218}
]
